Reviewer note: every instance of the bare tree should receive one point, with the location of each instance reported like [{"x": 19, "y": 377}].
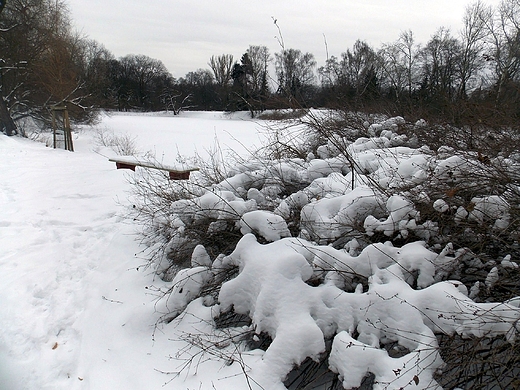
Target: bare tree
[
  {"x": 330, "y": 73},
  {"x": 200, "y": 77},
  {"x": 399, "y": 61},
  {"x": 199, "y": 86},
  {"x": 409, "y": 50},
  {"x": 40, "y": 60},
  {"x": 250, "y": 81},
  {"x": 6, "y": 122},
  {"x": 259, "y": 58},
  {"x": 472, "y": 39},
  {"x": 394, "y": 69},
  {"x": 363, "y": 68},
  {"x": 140, "y": 81},
  {"x": 222, "y": 67},
  {"x": 356, "y": 76},
  {"x": 440, "y": 58},
  {"x": 295, "y": 73},
  {"x": 95, "y": 60},
  {"x": 504, "y": 32},
  {"x": 56, "y": 73}
]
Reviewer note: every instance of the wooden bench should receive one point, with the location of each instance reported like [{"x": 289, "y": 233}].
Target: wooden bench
[{"x": 175, "y": 173}]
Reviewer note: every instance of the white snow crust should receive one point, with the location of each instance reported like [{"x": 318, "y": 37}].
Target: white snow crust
[{"x": 80, "y": 308}]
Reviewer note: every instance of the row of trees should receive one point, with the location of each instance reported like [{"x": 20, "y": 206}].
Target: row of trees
[
  {"x": 479, "y": 65},
  {"x": 468, "y": 78},
  {"x": 43, "y": 63}
]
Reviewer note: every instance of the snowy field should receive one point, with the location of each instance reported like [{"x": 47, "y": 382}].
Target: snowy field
[
  {"x": 76, "y": 311},
  {"x": 79, "y": 310},
  {"x": 187, "y": 135}
]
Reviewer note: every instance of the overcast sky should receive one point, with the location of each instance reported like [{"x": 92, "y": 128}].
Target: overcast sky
[{"x": 184, "y": 34}]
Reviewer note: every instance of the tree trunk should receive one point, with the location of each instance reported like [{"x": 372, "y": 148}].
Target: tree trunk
[{"x": 5, "y": 118}]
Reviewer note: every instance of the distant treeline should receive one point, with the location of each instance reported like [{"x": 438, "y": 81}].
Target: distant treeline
[{"x": 472, "y": 77}]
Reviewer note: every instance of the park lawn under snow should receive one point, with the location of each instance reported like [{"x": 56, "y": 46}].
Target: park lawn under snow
[
  {"x": 80, "y": 311},
  {"x": 77, "y": 309}
]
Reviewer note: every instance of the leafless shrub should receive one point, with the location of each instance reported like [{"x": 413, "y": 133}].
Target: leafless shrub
[
  {"x": 121, "y": 144},
  {"x": 479, "y": 363},
  {"x": 480, "y": 243},
  {"x": 223, "y": 345},
  {"x": 170, "y": 236},
  {"x": 169, "y": 241},
  {"x": 487, "y": 157},
  {"x": 282, "y": 115},
  {"x": 347, "y": 124}
]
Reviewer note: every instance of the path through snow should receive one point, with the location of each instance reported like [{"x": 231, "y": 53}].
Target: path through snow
[
  {"x": 58, "y": 226},
  {"x": 77, "y": 309}
]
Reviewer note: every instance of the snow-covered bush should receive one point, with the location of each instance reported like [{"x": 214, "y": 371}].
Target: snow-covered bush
[
  {"x": 121, "y": 144},
  {"x": 359, "y": 249}
]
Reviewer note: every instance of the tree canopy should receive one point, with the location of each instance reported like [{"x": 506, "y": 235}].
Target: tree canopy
[{"x": 469, "y": 77}]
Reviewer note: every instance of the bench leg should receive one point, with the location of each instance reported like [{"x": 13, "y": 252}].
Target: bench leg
[
  {"x": 125, "y": 166},
  {"x": 179, "y": 175}
]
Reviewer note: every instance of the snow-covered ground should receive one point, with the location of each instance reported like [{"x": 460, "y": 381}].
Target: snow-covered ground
[
  {"x": 77, "y": 310},
  {"x": 191, "y": 133}
]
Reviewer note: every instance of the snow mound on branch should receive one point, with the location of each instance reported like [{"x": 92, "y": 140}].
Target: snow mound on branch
[
  {"x": 417, "y": 263},
  {"x": 490, "y": 208},
  {"x": 334, "y": 184},
  {"x": 391, "y": 166},
  {"x": 329, "y": 218},
  {"x": 273, "y": 293},
  {"x": 200, "y": 257},
  {"x": 219, "y": 205},
  {"x": 323, "y": 168},
  {"x": 441, "y": 206},
  {"x": 186, "y": 286},
  {"x": 270, "y": 226},
  {"x": 401, "y": 216},
  {"x": 271, "y": 289}
]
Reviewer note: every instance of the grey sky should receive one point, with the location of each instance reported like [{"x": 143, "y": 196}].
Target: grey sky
[{"x": 184, "y": 34}]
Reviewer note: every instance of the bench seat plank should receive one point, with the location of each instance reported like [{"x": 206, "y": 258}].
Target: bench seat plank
[{"x": 175, "y": 172}]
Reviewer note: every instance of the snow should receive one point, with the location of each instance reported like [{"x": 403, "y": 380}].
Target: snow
[
  {"x": 168, "y": 136},
  {"x": 270, "y": 226},
  {"x": 330, "y": 217},
  {"x": 78, "y": 309},
  {"x": 81, "y": 307}
]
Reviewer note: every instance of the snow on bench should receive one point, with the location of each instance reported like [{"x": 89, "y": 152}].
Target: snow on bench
[{"x": 175, "y": 173}]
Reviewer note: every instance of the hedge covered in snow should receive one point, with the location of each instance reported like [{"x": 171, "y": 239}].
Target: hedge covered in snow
[{"x": 357, "y": 254}]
